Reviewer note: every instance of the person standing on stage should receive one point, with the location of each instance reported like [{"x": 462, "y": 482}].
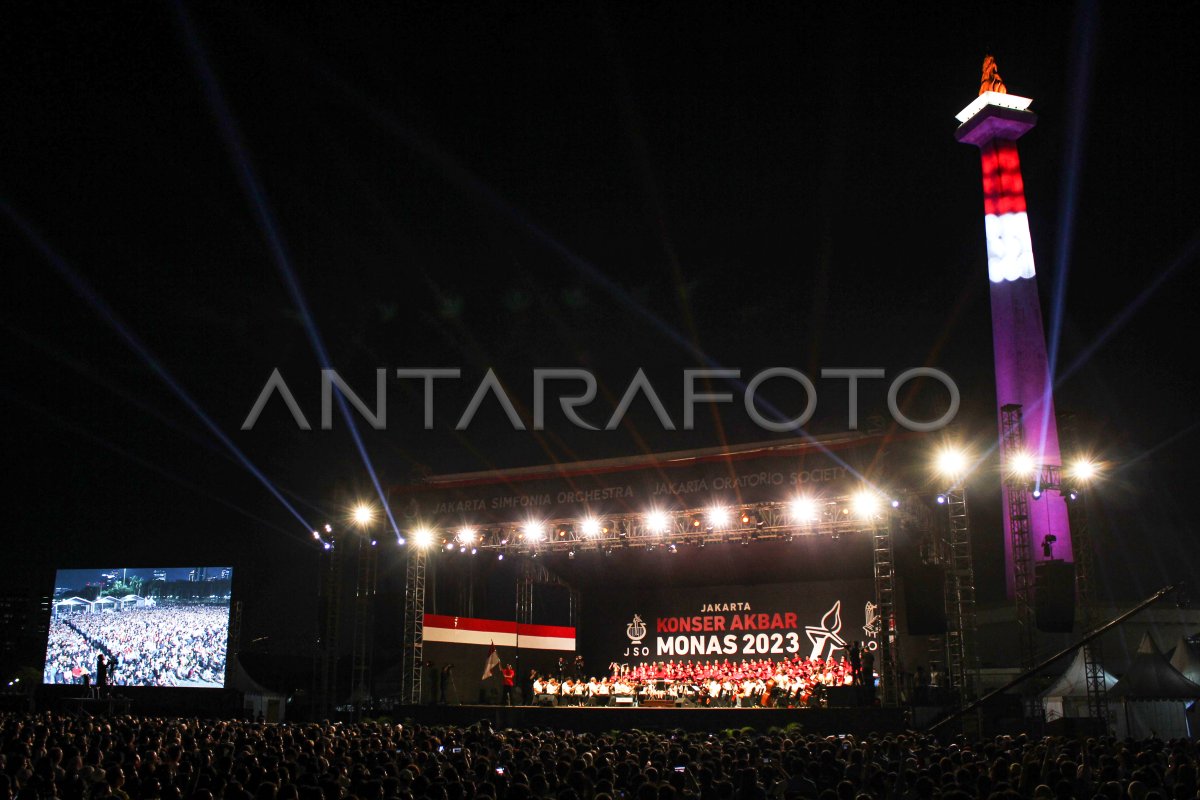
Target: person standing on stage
[
  {"x": 854, "y": 651},
  {"x": 508, "y": 674}
]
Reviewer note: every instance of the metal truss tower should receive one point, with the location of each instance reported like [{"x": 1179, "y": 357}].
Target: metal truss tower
[{"x": 413, "y": 657}]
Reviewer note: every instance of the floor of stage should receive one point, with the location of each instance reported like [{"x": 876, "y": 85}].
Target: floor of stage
[{"x": 595, "y": 719}]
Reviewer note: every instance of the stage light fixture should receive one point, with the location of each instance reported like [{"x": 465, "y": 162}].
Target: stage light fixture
[
  {"x": 590, "y": 527},
  {"x": 865, "y": 503},
  {"x": 1083, "y": 470},
  {"x": 449, "y": 546},
  {"x": 895, "y": 504},
  {"x": 1037, "y": 494},
  {"x": 466, "y": 536},
  {"x": 422, "y": 537},
  {"x": 499, "y": 556},
  {"x": 363, "y": 514},
  {"x": 697, "y": 521},
  {"x": 373, "y": 543},
  {"x": 328, "y": 528},
  {"x": 1073, "y": 495},
  {"x": 328, "y": 546},
  {"x": 672, "y": 548},
  {"x": 718, "y": 517},
  {"x": 1022, "y": 465},
  {"x": 316, "y": 535},
  {"x": 571, "y": 554},
  {"x": 474, "y": 550},
  {"x": 746, "y": 518},
  {"x": 657, "y": 522},
  {"x": 803, "y": 509},
  {"x": 941, "y": 498},
  {"x": 534, "y": 531},
  {"x": 564, "y": 530},
  {"x": 951, "y": 462}
]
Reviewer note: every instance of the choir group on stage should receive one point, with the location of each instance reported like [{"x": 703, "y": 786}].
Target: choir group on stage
[{"x": 792, "y": 683}]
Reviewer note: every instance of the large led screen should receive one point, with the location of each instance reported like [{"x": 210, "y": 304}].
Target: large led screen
[{"x": 161, "y": 626}]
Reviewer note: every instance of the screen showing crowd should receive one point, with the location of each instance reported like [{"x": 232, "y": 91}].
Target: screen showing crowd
[{"x": 163, "y": 626}]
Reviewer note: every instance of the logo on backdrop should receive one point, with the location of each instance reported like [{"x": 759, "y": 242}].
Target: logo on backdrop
[
  {"x": 636, "y": 630},
  {"x": 874, "y": 625},
  {"x": 828, "y": 633},
  {"x": 785, "y": 621}
]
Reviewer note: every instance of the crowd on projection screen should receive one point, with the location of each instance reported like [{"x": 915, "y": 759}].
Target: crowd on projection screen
[{"x": 165, "y": 645}]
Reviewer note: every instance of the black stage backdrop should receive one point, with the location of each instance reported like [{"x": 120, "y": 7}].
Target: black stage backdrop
[{"x": 775, "y": 621}]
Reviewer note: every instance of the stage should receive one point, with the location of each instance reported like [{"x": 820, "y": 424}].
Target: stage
[{"x": 821, "y": 721}]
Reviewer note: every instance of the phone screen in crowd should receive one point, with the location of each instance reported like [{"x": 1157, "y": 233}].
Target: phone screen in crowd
[
  {"x": 456, "y": 750},
  {"x": 499, "y": 770},
  {"x": 680, "y": 769}
]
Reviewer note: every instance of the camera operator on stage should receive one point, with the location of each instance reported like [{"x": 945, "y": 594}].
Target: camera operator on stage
[{"x": 101, "y": 676}]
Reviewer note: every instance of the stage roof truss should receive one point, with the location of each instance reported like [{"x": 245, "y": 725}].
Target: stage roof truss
[{"x": 694, "y": 526}]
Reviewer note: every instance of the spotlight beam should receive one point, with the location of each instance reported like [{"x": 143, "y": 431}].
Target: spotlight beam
[
  {"x": 465, "y": 180},
  {"x": 256, "y": 193},
  {"x": 84, "y": 290}
]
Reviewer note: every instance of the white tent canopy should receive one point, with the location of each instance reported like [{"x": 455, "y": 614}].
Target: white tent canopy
[
  {"x": 1068, "y": 696},
  {"x": 1153, "y": 695},
  {"x": 1186, "y": 659}
]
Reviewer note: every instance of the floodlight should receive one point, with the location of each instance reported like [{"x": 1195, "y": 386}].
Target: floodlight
[
  {"x": 803, "y": 509},
  {"x": 718, "y": 517},
  {"x": 951, "y": 462},
  {"x": 1022, "y": 465},
  {"x": 865, "y": 503},
  {"x": 658, "y": 522},
  {"x": 422, "y": 537},
  {"x": 1083, "y": 470}
]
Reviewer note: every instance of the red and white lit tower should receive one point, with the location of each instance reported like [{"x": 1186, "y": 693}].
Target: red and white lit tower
[{"x": 1024, "y": 388}]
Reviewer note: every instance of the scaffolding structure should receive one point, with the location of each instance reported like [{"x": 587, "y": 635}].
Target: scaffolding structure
[
  {"x": 1016, "y": 501},
  {"x": 329, "y": 597},
  {"x": 962, "y": 667},
  {"x": 1085, "y": 584},
  {"x": 235, "y": 628},
  {"x": 884, "y": 562},
  {"x": 362, "y": 649},
  {"x": 413, "y": 653}
]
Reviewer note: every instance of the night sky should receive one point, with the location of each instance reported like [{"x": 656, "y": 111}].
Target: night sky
[{"x": 535, "y": 185}]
